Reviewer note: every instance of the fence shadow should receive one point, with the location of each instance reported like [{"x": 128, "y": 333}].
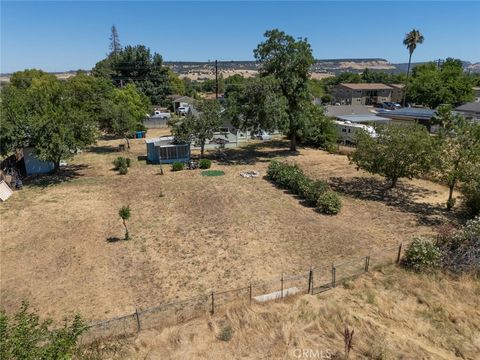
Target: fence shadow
[
  {"x": 400, "y": 197},
  {"x": 252, "y": 153},
  {"x": 104, "y": 149},
  {"x": 65, "y": 174}
]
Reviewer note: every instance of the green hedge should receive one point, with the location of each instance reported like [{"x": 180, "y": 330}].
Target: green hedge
[
  {"x": 422, "y": 255},
  {"x": 316, "y": 193}
]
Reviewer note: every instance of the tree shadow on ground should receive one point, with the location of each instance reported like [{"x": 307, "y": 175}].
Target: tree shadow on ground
[
  {"x": 252, "y": 153},
  {"x": 103, "y": 149},
  {"x": 401, "y": 197},
  {"x": 65, "y": 174},
  {"x": 114, "y": 239}
]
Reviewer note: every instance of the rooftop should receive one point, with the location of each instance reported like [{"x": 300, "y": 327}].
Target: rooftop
[
  {"x": 397, "y": 86},
  {"x": 365, "y": 86},
  {"x": 469, "y": 107},
  {"x": 411, "y": 113},
  {"x": 363, "y": 118},
  {"x": 340, "y": 110}
]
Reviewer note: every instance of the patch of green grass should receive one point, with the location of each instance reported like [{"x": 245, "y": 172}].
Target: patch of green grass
[{"x": 213, "y": 173}]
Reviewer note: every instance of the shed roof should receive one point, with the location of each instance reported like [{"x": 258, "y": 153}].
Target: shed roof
[
  {"x": 365, "y": 86},
  {"x": 397, "y": 86},
  {"x": 410, "y": 113}
]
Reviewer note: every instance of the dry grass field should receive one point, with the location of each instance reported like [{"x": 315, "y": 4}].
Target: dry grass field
[
  {"x": 394, "y": 314},
  {"x": 61, "y": 244}
]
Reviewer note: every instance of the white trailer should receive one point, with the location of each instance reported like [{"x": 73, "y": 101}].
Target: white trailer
[{"x": 347, "y": 131}]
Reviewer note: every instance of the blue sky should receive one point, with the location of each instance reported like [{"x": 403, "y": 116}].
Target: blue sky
[{"x": 67, "y": 35}]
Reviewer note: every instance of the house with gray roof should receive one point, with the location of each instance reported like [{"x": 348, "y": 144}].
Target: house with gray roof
[{"x": 362, "y": 93}]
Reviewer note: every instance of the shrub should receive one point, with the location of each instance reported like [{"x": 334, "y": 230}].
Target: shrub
[
  {"x": 422, "y": 255},
  {"x": 178, "y": 166},
  {"x": 329, "y": 203},
  {"x": 25, "y": 336},
  {"x": 226, "y": 333},
  {"x": 121, "y": 161},
  {"x": 273, "y": 169},
  {"x": 204, "y": 164},
  {"x": 291, "y": 177},
  {"x": 314, "y": 190},
  {"x": 123, "y": 170}
]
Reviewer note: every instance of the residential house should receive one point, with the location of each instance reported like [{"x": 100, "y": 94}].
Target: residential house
[
  {"x": 181, "y": 101},
  {"x": 398, "y": 91},
  {"x": 471, "y": 111},
  {"x": 362, "y": 93}
]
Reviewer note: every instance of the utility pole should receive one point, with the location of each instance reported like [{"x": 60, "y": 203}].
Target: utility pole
[{"x": 216, "y": 79}]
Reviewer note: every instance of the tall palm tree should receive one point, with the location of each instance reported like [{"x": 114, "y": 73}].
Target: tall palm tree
[{"x": 411, "y": 40}]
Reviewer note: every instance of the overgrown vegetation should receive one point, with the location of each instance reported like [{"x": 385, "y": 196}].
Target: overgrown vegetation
[
  {"x": 316, "y": 193},
  {"x": 455, "y": 250},
  {"x": 24, "y": 336}
]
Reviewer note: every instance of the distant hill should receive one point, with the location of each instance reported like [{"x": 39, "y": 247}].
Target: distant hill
[{"x": 203, "y": 70}]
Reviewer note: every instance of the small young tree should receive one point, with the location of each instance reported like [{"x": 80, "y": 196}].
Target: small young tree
[
  {"x": 458, "y": 143},
  {"x": 396, "y": 152},
  {"x": 124, "y": 214}
]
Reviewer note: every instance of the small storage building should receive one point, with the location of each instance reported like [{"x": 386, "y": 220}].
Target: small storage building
[{"x": 167, "y": 150}]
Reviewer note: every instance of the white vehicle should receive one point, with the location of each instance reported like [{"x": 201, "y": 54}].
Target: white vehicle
[
  {"x": 347, "y": 131},
  {"x": 183, "y": 110},
  {"x": 263, "y": 135},
  {"x": 162, "y": 115}
]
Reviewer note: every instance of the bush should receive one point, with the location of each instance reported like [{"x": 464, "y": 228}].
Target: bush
[
  {"x": 422, "y": 255},
  {"x": 226, "y": 333},
  {"x": 204, "y": 164},
  {"x": 123, "y": 170},
  {"x": 316, "y": 193},
  {"x": 121, "y": 162},
  {"x": 24, "y": 336},
  {"x": 471, "y": 194},
  {"x": 313, "y": 190},
  {"x": 329, "y": 203},
  {"x": 178, "y": 166}
]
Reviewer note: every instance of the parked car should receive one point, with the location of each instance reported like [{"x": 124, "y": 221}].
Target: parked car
[
  {"x": 263, "y": 135},
  {"x": 183, "y": 110}
]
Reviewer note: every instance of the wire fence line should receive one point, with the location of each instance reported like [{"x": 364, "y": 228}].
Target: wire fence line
[{"x": 311, "y": 281}]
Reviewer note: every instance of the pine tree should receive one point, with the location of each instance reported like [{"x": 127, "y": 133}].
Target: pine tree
[{"x": 115, "y": 46}]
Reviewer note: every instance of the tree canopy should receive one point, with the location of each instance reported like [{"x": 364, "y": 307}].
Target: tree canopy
[
  {"x": 137, "y": 65},
  {"x": 431, "y": 85},
  {"x": 396, "y": 152},
  {"x": 289, "y": 62}
]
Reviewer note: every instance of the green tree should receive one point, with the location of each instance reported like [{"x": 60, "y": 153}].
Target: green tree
[
  {"x": 125, "y": 214},
  {"x": 124, "y": 112},
  {"x": 24, "y": 336},
  {"x": 433, "y": 86},
  {"x": 136, "y": 64},
  {"x": 289, "y": 61},
  {"x": 115, "y": 46},
  {"x": 319, "y": 130},
  {"x": 199, "y": 127},
  {"x": 177, "y": 85},
  {"x": 259, "y": 107},
  {"x": 396, "y": 152},
  {"x": 458, "y": 145},
  {"x": 39, "y": 110},
  {"x": 411, "y": 40}
]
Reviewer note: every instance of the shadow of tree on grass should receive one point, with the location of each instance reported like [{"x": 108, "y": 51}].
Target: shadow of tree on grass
[
  {"x": 401, "y": 197},
  {"x": 65, "y": 174}
]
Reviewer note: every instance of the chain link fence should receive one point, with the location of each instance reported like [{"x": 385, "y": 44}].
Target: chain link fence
[{"x": 311, "y": 281}]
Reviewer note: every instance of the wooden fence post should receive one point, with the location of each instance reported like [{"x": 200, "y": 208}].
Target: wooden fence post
[
  {"x": 367, "y": 262},
  {"x": 281, "y": 289},
  {"x": 310, "y": 281},
  {"x": 334, "y": 271},
  {"x": 138, "y": 320},
  {"x": 399, "y": 253},
  {"x": 213, "y": 304},
  {"x": 250, "y": 290}
]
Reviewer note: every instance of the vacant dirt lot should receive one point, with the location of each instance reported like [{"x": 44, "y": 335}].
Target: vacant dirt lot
[{"x": 60, "y": 245}]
